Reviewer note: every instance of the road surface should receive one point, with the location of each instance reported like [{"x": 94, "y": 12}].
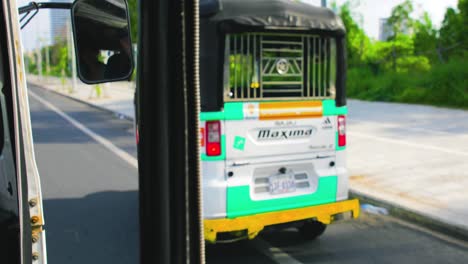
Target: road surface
[
  {"x": 412, "y": 155},
  {"x": 91, "y": 207}
]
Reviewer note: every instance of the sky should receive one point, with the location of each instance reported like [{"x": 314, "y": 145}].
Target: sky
[
  {"x": 37, "y": 32},
  {"x": 370, "y": 11}
]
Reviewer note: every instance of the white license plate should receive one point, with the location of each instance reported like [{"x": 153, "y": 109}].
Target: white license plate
[{"x": 282, "y": 183}]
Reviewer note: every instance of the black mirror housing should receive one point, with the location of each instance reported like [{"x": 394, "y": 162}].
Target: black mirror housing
[{"x": 101, "y": 32}]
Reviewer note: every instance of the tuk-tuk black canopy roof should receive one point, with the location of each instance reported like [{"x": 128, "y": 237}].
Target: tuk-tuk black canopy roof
[
  {"x": 220, "y": 17},
  {"x": 267, "y": 14}
]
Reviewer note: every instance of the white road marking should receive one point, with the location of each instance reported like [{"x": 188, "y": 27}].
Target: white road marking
[
  {"x": 106, "y": 143},
  {"x": 403, "y": 127},
  {"x": 408, "y": 144},
  {"x": 441, "y": 236},
  {"x": 274, "y": 253}
]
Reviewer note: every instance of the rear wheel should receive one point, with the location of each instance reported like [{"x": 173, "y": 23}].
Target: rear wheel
[{"x": 310, "y": 230}]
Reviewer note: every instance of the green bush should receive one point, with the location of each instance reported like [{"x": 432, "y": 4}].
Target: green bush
[
  {"x": 447, "y": 84},
  {"x": 443, "y": 85}
]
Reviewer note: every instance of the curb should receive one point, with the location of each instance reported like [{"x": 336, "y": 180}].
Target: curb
[
  {"x": 408, "y": 215},
  {"x": 41, "y": 86}
]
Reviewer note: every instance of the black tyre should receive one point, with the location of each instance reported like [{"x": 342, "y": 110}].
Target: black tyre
[{"x": 310, "y": 230}]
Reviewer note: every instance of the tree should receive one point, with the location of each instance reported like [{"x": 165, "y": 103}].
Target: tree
[
  {"x": 425, "y": 37},
  {"x": 463, "y": 7},
  {"x": 133, "y": 12},
  {"x": 451, "y": 38},
  {"x": 400, "y": 19},
  {"x": 398, "y": 55},
  {"x": 357, "y": 40}
]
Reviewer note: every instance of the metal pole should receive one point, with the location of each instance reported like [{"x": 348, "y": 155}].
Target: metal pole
[
  {"x": 71, "y": 52},
  {"x": 39, "y": 61},
  {"x": 38, "y": 54},
  {"x": 47, "y": 62},
  {"x": 167, "y": 124},
  {"x": 74, "y": 71}
]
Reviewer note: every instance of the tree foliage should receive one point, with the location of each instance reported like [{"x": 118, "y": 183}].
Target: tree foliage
[
  {"x": 425, "y": 37},
  {"x": 454, "y": 31},
  {"x": 400, "y": 19},
  {"x": 417, "y": 64},
  {"x": 133, "y": 12},
  {"x": 357, "y": 40},
  {"x": 415, "y": 44}
]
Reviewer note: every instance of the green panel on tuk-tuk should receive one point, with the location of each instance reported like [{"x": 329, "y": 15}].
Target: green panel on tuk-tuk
[
  {"x": 239, "y": 202},
  {"x": 329, "y": 108},
  {"x": 210, "y": 116},
  {"x": 232, "y": 111},
  {"x": 235, "y": 111}
]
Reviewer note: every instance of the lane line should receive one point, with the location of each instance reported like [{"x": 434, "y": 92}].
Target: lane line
[
  {"x": 104, "y": 142},
  {"x": 406, "y": 143},
  {"x": 274, "y": 253},
  {"x": 436, "y": 234},
  {"x": 360, "y": 122}
]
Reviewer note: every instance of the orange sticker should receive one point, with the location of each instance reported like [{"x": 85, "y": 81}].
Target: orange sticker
[
  {"x": 202, "y": 137},
  {"x": 290, "y": 110}
]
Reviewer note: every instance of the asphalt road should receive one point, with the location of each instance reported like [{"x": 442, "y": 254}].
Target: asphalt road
[{"x": 91, "y": 206}]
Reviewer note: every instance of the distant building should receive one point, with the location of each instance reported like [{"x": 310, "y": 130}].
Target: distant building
[
  {"x": 385, "y": 30},
  {"x": 58, "y": 23}
]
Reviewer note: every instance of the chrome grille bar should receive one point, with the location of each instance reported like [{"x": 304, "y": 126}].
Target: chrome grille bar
[{"x": 265, "y": 66}]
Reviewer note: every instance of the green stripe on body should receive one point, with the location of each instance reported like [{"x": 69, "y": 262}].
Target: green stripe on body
[
  {"x": 209, "y": 116},
  {"x": 329, "y": 108},
  {"x": 235, "y": 111},
  {"x": 239, "y": 202},
  {"x": 232, "y": 111}
]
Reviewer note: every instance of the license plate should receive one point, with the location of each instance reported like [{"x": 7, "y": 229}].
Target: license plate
[{"x": 282, "y": 183}]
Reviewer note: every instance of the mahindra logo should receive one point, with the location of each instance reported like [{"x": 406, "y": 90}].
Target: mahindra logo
[{"x": 278, "y": 134}]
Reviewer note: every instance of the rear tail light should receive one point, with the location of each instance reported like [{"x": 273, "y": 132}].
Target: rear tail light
[
  {"x": 213, "y": 138},
  {"x": 341, "y": 131}
]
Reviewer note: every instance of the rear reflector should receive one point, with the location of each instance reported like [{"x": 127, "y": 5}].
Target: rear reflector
[
  {"x": 213, "y": 138},
  {"x": 341, "y": 131},
  {"x": 137, "y": 135}
]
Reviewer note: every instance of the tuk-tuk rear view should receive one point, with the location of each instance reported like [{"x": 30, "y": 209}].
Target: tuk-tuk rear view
[{"x": 273, "y": 120}]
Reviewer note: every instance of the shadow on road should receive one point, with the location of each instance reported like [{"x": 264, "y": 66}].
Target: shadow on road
[
  {"x": 98, "y": 228},
  {"x": 238, "y": 252}
]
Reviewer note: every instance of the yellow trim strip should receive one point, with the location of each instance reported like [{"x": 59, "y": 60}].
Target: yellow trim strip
[{"x": 256, "y": 223}]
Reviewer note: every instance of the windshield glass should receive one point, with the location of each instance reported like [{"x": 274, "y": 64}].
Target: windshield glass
[{"x": 326, "y": 135}]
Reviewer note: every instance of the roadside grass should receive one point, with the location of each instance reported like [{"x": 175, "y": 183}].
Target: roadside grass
[{"x": 444, "y": 85}]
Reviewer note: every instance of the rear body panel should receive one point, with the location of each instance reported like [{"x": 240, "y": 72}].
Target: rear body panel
[
  {"x": 262, "y": 141},
  {"x": 280, "y": 111}
]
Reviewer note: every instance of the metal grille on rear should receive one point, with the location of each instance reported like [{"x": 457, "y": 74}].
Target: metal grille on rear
[
  {"x": 261, "y": 184},
  {"x": 265, "y": 66}
]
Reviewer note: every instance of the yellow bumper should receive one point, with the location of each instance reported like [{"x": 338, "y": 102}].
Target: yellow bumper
[{"x": 255, "y": 223}]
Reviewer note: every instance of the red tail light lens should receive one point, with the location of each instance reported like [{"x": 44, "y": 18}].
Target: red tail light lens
[
  {"x": 213, "y": 138},
  {"x": 341, "y": 131}
]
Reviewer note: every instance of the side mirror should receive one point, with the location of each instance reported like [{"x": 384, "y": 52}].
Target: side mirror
[{"x": 102, "y": 40}]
